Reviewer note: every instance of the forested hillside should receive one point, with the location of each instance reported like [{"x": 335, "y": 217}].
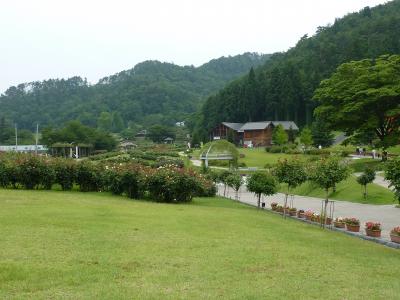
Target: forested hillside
[
  {"x": 283, "y": 88},
  {"x": 152, "y": 92}
]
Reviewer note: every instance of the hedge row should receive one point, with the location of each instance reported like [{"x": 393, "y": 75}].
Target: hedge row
[{"x": 164, "y": 184}]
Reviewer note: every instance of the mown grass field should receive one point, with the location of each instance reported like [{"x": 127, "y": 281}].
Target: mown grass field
[
  {"x": 348, "y": 190},
  {"x": 96, "y": 246}
]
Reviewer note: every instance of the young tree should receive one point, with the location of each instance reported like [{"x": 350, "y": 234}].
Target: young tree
[
  {"x": 262, "y": 184},
  {"x": 364, "y": 179},
  {"x": 362, "y": 96},
  {"x": 279, "y": 136},
  {"x": 235, "y": 181},
  {"x": 223, "y": 178},
  {"x": 321, "y": 134},
  {"x": 306, "y": 137},
  {"x": 393, "y": 175},
  {"x": 290, "y": 172},
  {"x": 326, "y": 173}
]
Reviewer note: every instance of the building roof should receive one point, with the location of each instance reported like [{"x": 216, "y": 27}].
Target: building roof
[
  {"x": 234, "y": 126},
  {"x": 241, "y": 127},
  {"x": 286, "y": 124},
  {"x": 255, "y": 126}
]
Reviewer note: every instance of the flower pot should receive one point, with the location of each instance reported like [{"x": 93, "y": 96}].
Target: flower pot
[
  {"x": 308, "y": 218},
  {"x": 273, "y": 208},
  {"x": 353, "y": 228},
  {"x": 373, "y": 233},
  {"x": 339, "y": 224},
  {"x": 395, "y": 238},
  {"x": 292, "y": 213},
  {"x": 300, "y": 215}
]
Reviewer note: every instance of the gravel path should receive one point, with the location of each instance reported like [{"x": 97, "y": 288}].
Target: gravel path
[{"x": 387, "y": 215}]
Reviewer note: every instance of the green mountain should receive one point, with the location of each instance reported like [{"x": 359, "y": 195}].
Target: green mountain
[
  {"x": 283, "y": 88},
  {"x": 152, "y": 92}
]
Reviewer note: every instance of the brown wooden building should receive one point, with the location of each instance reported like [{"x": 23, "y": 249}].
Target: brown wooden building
[{"x": 253, "y": 134}]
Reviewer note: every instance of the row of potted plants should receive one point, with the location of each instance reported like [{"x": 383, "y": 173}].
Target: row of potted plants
[{"x": 372, "y": 229}]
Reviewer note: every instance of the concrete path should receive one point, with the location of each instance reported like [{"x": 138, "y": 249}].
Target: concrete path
[{"x": 387, "y": 215}]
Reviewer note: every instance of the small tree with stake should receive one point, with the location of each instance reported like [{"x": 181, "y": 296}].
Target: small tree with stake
[
  {"x": 326, "y": 173},
  {"x": 262, "y": 184},
  {"x": 235, "y": 181},
  {"x": 292, "y": 173},
  {"x": 393, "y": 175},
  {"x": 365, "y": 178}
]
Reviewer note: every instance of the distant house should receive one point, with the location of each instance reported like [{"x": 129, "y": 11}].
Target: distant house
[
  {"x": 168, "y": 140},
  {"x": 253, "y": 134},
  {"x": 126, "y": 145},
  {"x": 180, "y": 124},
  {"x": 141, "y": 134},
  {"x": 24, "y": 148}
]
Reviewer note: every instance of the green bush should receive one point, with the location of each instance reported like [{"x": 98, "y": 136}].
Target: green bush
[
  {"x": 65, "y": 172},
  {"x": 172, "y": 185},
  {"x": 89, "y": 177}
]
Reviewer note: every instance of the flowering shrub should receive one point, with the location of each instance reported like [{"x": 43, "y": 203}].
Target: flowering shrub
[
  {"x": 395, "y": 231},
  {"x": 65, "y": 172},
  {"x": 164, "y": 184},
  {"x": 373, "y": 226},
  {"x": 352, "y": 221}
]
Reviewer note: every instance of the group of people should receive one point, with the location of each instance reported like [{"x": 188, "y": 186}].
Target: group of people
[{"x": 374, "y": 154}]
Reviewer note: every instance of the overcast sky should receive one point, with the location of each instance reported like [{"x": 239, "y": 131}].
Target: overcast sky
[{"x": 44, "y": 39}]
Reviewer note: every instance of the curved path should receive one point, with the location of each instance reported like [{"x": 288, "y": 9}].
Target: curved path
[{"x": 387, "y": 215}]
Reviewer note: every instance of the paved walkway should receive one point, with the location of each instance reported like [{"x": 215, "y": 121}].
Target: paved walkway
[{"x": 387, "y": 215}]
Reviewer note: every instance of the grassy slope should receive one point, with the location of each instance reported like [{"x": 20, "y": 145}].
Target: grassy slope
[
  {"x": 258, "y": 157},
  {"x": 348, "y": 190},
  {"x": 74, "y": 245}
]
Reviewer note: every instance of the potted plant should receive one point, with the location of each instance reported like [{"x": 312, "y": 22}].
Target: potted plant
[
  {"x": 373, "y": 229},
  {"x": 300, "y": 214},
  {"x": 309, "y": 214},
  {"x": 286, "y": 209},
  {"x": 339, "y": 222},
  {"x": 316, "y": 218},
  {"x": 328, "y": 220},
  {"x": 353, "y": 224},
  {"x": 292, "y": 211},
  {"x": 279, "y": 208},
  {"x": 274, "y": 206},
  {"x": 395, "y": 234}
]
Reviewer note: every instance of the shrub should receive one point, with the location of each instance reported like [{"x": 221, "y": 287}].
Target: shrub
[
  {"x": 30, "y": 170},
  {"x": 65, "y": 172},
  {"x": 172, "y": 185},
  {"x": 89, "y": 177}
]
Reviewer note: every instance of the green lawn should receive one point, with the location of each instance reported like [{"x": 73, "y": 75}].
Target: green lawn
[
  {"x": 258, "y": 157},
  {"x": 96, "y": 246},
  {"x": 348, "y": 190}
]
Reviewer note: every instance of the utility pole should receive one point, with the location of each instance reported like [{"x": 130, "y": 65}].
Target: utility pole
[
  {"x": 37, "y": 138},
  {"x": 16, "y": 138}
]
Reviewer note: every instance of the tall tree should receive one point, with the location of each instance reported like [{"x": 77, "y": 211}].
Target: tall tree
[{"x": 362, "y": 96}]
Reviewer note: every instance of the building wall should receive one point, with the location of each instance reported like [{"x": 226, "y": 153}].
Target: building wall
[
  {"x": 223, "y": 132},
  {"x": 259, "y": 137}
]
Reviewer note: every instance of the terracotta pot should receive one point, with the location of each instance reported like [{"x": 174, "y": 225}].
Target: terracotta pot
[
  {"x": 339, "y": 224},
  {"x": 274, "y": 208},
  {"x": 292, "y": 213},
  {"x": 308, "y": 218},
  {"x": 353, "y": 228},
  {"x": 395, "y": 238},
  {"x": 373, "y": 233},
  {"x": 300, "y": 215}
]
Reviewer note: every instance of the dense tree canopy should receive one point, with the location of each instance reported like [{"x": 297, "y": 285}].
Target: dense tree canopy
[
  {"x": 363, "y": 96},
  {"x": 150, "y": 93},
  {"x": 76, "y": 133}
]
